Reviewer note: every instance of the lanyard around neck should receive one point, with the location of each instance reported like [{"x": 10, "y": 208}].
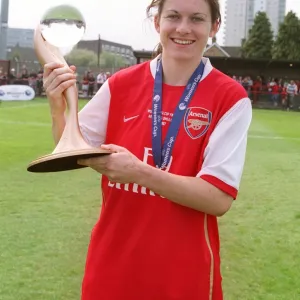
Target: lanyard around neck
[{"x": 162, "y": 155}]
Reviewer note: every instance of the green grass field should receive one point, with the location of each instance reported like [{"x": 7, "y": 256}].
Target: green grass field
[{"x": 46, "y": 219}]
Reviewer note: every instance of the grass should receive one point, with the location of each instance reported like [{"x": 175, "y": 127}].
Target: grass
[
  {"x": 46, "y": 219},
  {"x": 260, "y": 235}
]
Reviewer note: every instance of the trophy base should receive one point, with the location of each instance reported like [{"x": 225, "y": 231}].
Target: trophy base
[{"x": 63, "y": 161}]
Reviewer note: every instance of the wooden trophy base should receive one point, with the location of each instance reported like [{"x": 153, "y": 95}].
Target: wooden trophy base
[{"x": 63, "y": 161}]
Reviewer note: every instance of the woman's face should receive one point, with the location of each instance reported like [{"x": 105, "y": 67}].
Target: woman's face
[{"x": 185, "y": 27}]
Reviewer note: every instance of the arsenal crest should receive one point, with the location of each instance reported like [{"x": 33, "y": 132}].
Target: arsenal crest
[{"x": 197, "y": 121}]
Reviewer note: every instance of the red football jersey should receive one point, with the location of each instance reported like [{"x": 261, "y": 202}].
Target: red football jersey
[{"x": 146, "y": 247}]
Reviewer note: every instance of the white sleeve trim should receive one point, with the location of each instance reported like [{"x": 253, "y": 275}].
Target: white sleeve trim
[
  {"x": 224, "y": 156},
  {"x": 94, "y": 116}
]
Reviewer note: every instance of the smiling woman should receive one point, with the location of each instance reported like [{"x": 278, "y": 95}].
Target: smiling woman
[
  {"x": 184, "y": 30},
  {"x": 177, "y": 130},
  {"x": 198, "y": 16}
]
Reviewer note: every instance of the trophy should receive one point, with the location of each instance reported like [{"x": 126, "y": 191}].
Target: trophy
[{"x": 61, "y": 27}]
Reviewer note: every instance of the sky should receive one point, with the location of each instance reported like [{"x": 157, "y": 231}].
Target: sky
[{"x": 121, "y": 21}]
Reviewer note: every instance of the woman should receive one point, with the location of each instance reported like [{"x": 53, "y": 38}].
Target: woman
[{"x": 176, "y": 164}]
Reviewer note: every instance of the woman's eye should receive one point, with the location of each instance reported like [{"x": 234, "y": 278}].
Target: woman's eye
[
  {"x": 172, "y": 17},
  {"x": 197, "y": 19}
]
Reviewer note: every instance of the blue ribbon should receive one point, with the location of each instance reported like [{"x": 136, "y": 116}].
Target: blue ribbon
[{"x": 162, "y": 156}]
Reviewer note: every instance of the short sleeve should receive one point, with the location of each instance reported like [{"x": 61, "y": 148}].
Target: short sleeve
[
  {"x": 94, "y": 116},
  {"x": 224, "y": 156}
]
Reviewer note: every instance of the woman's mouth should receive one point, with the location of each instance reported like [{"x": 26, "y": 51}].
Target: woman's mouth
[{"x": 183, "y": 42}]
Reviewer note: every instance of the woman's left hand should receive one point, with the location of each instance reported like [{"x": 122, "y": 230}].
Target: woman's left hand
[{"x": 121, "y": 166}]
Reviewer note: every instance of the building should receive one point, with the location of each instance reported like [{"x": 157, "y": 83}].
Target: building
[
  {"x": 3, "y": 28},
  {"x": 20, "y": 55},
  {"x": 240, "y": 15},
  {"x": 276, "y": 10},
  {"x": 212, "y": 51},
  {"x": 99, "y": 46},
  {"x": 235, "y": 22},
  {"x": 23, "y": 37}
]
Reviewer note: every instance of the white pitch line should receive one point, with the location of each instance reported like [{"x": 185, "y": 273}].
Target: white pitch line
[
  {"x": 22, "y": 106},
  {"x": 272, "y": 137},
  {"x": 25, "y": 123}
]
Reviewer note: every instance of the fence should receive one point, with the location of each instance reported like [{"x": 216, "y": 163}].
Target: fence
[
  {"x": 265, "y": 100},
  {"x": 34, "y": 66}
]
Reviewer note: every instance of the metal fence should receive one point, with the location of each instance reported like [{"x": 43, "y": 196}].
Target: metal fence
[{"x": 266, "y": 100}]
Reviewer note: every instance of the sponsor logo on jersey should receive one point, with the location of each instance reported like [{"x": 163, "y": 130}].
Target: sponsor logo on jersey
[
  {"x": 197, "y": 121},
  {"x": 128, "y": 119}
]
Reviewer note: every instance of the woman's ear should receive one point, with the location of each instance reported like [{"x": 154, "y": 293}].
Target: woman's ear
[
  {"x": 156, "y": 23},
  {"x": 214, "y": 29}
]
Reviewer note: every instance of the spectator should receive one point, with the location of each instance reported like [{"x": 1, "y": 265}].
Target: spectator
[
  {"x": 292, "y": 90},
  {"x": 101, "y": 78},
  {"x": 91, "y": 84}
]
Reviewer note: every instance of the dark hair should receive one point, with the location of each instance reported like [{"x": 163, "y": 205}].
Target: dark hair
[{"x": 159, "y": 4}]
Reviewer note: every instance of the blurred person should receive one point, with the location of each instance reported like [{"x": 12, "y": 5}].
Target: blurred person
[
  {"x": 39, "y": 82},
  {"x": 250, "y": 87},
  {"x": 283, "y": 96},
  {"x": 101, "y": 78},
  {"x": 4, "y": 79},
  {"x": 291, "y": 90},
  {"x": 33, "y": 80},
  {"x": 91, "y": 79},
  {"x": 273, "y": 88},
  {"x": 257, "y": 89}
]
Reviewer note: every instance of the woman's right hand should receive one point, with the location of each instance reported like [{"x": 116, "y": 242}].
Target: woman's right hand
[{"x": 57, "y": 78}]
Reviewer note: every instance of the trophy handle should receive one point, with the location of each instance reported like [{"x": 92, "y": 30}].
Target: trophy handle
[
  {"x": 72, "y": 136},
  {"x": 47, "y": 53}
]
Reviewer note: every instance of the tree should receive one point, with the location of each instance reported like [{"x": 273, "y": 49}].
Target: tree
[
  {"x": 287, "y": 43},
  {"x": 110, "y": 60},
  {"x": 88, "y": 58},
  {"x": 14, "y": 55},
  {"x": 260, "y": 40},
  {"x": 82, "y": 58}
]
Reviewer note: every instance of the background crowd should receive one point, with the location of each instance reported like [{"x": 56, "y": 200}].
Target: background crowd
[{"x": 279, "y": 92}]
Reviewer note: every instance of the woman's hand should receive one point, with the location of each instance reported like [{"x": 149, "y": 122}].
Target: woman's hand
[
  {"x": 57, "y": 78},
  {"x": 121, "y": 166}
]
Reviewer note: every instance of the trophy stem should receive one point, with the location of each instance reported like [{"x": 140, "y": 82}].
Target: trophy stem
[
  {"x": 71, "y": 95},
  {"x": 71, "y": 138}
]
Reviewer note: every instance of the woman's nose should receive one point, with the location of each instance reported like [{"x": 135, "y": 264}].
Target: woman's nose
[{"x": 183, "y": 27}]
